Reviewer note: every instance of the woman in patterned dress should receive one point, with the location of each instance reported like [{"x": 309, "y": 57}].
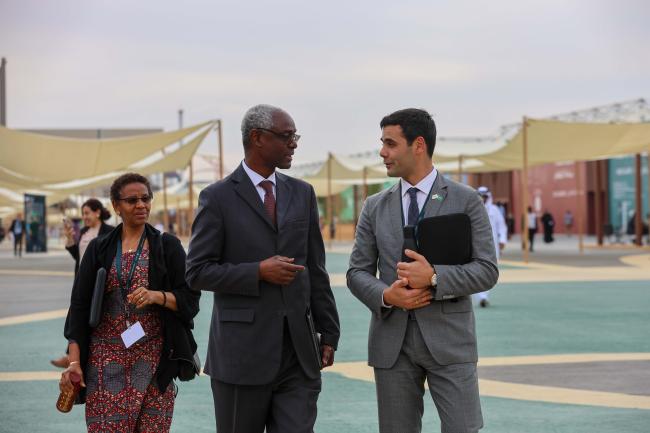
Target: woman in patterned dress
[{"x": 143, "y": 339}]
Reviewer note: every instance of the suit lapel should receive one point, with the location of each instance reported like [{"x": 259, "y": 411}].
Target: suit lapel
[
  {"x": 396, "y": 213},
  {"x": 246, "y": 190},
  {"x": 438, "y": 196},
  {"x": 283, "y": 197}
]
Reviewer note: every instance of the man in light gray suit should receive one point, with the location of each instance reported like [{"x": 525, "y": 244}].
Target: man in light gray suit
[{"x": 422, "y": 323}]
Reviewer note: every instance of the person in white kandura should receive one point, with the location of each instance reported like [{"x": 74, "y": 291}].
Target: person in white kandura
[{"x": 499, "y": 232}]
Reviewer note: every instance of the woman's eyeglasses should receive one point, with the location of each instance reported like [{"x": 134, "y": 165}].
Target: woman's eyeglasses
[{"x": 146, "y": 199}]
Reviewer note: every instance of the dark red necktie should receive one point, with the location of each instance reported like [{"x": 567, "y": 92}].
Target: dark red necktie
[{"x": 269, "y": 199}]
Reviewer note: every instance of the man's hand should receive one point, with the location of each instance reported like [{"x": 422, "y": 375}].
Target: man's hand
[
  {"x": 418, "y": 273},
  {"x": 399, "y": 295},
  {"x": 279, "y": 270},
  {"x": 501, "y": 246},
  {"x": 327, "y": 355}
]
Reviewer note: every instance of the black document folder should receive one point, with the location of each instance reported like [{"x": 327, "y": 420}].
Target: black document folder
[
  {"x": 98, "y": 297},
  {"x": 445, "y": 239},
  {"x": 315, "y": 337}
]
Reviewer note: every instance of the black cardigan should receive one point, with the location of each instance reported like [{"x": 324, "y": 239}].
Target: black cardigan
[
  {"x": 167, "y": 275},
  {"x": 74, "y": 249}
]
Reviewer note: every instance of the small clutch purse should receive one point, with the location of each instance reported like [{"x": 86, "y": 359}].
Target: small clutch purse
[
  {"x": 98, "y": 297},
  {"x": 66, "y": 398}
]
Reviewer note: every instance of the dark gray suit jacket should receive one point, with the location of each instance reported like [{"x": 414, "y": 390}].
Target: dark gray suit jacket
[
  {"x": 230, "y": 236},
  {"x": 447, "y": 324}
]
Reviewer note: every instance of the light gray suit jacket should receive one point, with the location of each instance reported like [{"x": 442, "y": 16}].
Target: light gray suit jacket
[{"x": 447, "y": 324}]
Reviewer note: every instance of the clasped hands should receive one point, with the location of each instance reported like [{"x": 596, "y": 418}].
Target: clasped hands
[{"x": 412, "y": 289}]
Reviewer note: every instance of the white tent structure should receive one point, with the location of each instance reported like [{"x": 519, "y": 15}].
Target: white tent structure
[{"x": 57, "y": 171}]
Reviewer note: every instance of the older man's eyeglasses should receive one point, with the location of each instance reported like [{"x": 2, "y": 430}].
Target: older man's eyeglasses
[
  {"x": 287, "y": 137},
  {"x": 146, "y": 199}
]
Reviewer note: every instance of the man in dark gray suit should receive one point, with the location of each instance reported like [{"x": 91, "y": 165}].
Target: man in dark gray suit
[
  {"x": 422, "y": 323},
  {"x": 256, "y": 243}
]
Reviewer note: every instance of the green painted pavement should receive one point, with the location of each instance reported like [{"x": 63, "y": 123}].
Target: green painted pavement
[
  {"x": 524, "y": 319},
  {"x": 345, "y": 406}
]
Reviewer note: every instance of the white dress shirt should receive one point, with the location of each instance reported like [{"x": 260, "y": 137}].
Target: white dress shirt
[
  {"x": 257, "y": 178},
  {"x": 424, "y": 186}
]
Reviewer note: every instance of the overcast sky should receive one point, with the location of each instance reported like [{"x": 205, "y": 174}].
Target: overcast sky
[{"x": 337, "y": 67}]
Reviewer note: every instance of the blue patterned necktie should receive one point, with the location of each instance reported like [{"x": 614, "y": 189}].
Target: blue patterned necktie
[{"x": 414, "y": 212}]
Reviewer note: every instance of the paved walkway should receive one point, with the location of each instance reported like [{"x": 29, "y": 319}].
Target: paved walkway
[{"x": 564, "y": 347}]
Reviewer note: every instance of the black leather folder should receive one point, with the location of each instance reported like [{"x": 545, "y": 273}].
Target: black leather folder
[
  {"x": 315, "y": 337},
  {"x": 445, "y": 239},
  {"x": 98, "y": 297}
]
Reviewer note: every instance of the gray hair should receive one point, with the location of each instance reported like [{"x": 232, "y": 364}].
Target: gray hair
[{"x": 259, "y": 116}]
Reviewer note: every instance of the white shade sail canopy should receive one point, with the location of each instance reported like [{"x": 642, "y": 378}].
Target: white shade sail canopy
[{"x": 32, "y": 160}]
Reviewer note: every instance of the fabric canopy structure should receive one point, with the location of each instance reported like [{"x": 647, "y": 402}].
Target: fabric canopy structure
[
  {"x": 18, "y": 149},
  {"x": 602, "y": 132},
  {"x": 157, "y": 159},
  {"x": 548, "y": 141},
  {"x": 177, "y": 196},
  {"x": 597, "y": 133},
  {"x": 176, "y": 160},
  {"x": 555, "y": 141},
  {"x": 337, "y": 173}
]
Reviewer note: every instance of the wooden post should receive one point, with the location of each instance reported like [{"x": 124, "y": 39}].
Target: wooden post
[
  {"x": 580, "y": 203},
  {"x": 638, "y": 214},
  {"x": 190, "y": 196},
  {"x": 524, "y": 188},
  {"x": 219, "y": 126},
  {"x": 3, "y": 92},
  {"x": 165, "y": 209},
  {"x": 330, "y": 217},
  {"x": 178, "y": 216},
  {"x": 355, "y": 194},
  {"x": 365, "y": 183},
  {"x": 598, "y": 204}
]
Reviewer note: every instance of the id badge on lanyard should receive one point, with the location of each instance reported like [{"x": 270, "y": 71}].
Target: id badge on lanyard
[{"x": 133, "y": 332}]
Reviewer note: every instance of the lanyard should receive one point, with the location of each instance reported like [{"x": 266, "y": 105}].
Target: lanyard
[
  {"x": 420, "y": 215},
  {"x": 118, "y": 265}
]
